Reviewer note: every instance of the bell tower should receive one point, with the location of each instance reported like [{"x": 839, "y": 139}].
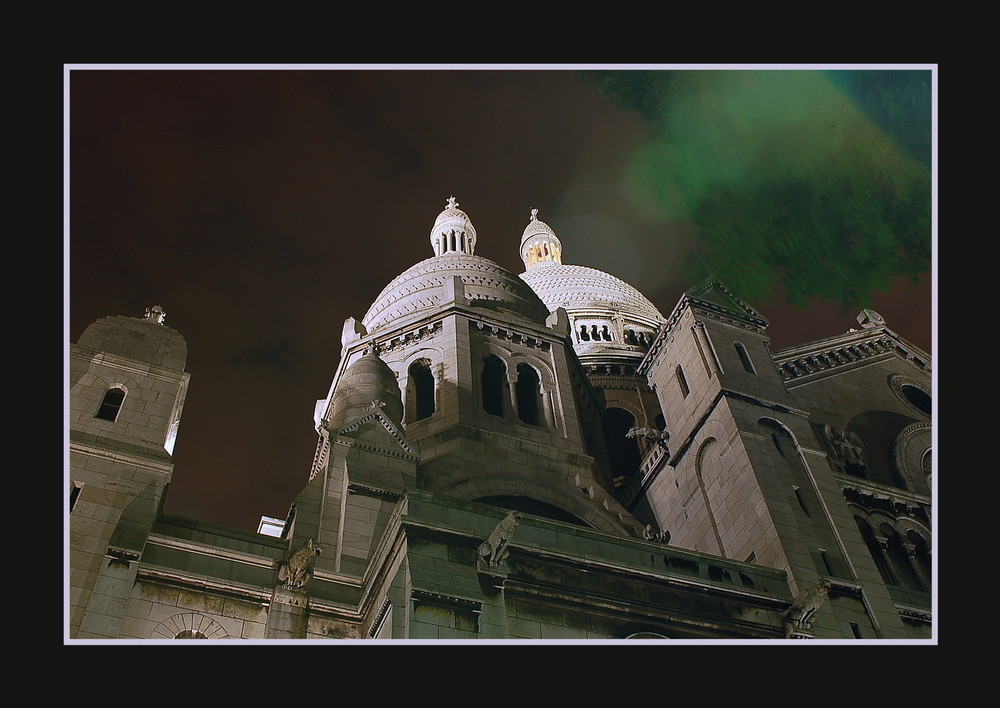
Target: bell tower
[{"x": 128, "y": 386}]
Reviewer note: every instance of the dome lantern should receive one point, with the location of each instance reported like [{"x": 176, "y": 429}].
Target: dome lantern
[
  {"x": 539, "y": 243},
  {"x": 453, "y": 232}
]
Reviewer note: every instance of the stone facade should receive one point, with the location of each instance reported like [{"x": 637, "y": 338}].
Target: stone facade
[{"x": 543, "y": 456}]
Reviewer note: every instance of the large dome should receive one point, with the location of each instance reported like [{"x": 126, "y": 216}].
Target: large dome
[
  {"x": 580, "y": 288},
  {"x": 424, "y": 285},
  {"x": 610, "y": 320}
]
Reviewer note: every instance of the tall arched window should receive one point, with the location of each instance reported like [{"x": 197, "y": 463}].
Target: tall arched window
[
  {"x": 111, "y": 405},
  {"x": 528, "y": 395},
  {"x": 623, "y": 451},
  {"x": 805, "y": 501},
  {"x": 420, "y": 391},
  {"x": 494, "y": 385},
  {"x": 921, "y": 553},
  {"x": 897, "y": 554},
  {"x": 682, "y": 381},
  {"x": 875, "y": 550},
  {"x": 745, "y": 358}
]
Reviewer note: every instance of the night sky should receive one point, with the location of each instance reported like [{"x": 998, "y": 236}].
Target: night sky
[{"x": 263, "y": 207}]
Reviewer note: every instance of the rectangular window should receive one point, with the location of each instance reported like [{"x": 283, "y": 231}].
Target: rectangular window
[
  {"x": 682, "y": 382},
  {"x": 74, "y": 494}
]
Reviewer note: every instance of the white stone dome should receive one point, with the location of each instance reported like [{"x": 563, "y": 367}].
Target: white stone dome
[
  {"x": 424, "y": 286},
  {"x": 580, "y": 288},
  {"x": 366, "y": 380},
  {"x": 610, "y": 320}
]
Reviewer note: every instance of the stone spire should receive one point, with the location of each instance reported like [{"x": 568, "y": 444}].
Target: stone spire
[
  {"x": 453, "y": 232},
  {"x": 539, "y": 243}
]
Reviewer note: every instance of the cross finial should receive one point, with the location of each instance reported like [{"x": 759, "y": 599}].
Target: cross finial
[
  {"x": 452, "y": 204},
  {"x": 534, "y": 214}
]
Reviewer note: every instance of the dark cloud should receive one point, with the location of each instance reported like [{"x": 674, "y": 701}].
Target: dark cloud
[{"x": 816, "y": 184}]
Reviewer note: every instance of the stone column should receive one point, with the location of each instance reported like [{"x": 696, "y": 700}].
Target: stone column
[{"x": 287, "y": 617}]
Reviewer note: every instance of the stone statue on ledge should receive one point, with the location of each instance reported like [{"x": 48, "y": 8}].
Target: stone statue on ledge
[
  {"x": 660, "y": 437},
  {"x": 494, "y": 549},
  {"x": 799, "y": 616},
  {"x": 298, "y": 570}
]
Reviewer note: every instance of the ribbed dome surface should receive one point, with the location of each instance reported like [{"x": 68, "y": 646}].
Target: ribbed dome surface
[
  {"x": 366, "y": 380},
  {"x": 574, "y": 287},
  {"x": 422, "y": 287}
]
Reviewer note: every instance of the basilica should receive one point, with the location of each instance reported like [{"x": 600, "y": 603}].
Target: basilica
[{"x": 532, "y": 456}]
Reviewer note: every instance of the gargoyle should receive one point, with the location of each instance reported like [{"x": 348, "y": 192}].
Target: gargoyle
[
  {"x": 298, "y": 570},
  {"x": 494, "y": 549},
  {"x": 800, "y": 614}
]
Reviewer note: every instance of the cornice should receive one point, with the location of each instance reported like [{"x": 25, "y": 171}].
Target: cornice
[
  {"x": 116, "y": 454},
  {"x": 834, "y": 356}
]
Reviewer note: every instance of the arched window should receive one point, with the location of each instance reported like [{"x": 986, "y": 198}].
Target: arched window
[
  {"x": 921, "y": 553},
  {"x": 745, "y": 358},
  {"x": 494, "y": 385},
  {"x": 790, "y": 463},
  {"x": 682, "y": 381},
  {"x": 875, "y": 550},
  {"x": 528, "y": 394},
  {"x": 895, "y": 549},
  {"x": 420, "y": 391},
  {"x": 111, "y": 405},
  {"x": 623, "y": 451}
]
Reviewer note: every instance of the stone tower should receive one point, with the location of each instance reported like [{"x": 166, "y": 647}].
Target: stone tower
[
  {"x": 776, "y": 459},
  {"x": 127, "y": 392}
]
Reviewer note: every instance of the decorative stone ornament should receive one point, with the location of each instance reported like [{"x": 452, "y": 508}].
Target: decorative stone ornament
[
  {"x": 800, "y": 615},
  {"x": 155, "y": 313},
  {"x": 494, "y": 549},
  {"x": 298, "y": 570}
]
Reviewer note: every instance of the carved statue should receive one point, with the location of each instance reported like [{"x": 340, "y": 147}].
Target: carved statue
[
  {"x": 651, "y": 534},
  {"x": 155, "y": 313},
  {"x": 298, "y": 570},
  {"x": 847, "y": 447},
  {"x": 494, "y": 549},
  {"x": 660, "y": 437},
  {"x": 800, "y": 614}
]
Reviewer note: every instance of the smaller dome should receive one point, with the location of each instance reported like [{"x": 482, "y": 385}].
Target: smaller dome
[
  {"x": 453, "y": 231},
  {"x": 537, "y": 227},
  {"x": 367, "y": 379},
  {"x": 539, "y": 243}
]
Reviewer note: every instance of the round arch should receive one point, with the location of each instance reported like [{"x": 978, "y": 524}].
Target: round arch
[
  {"x": 189, "y": 625},
  {"x": 911, "y": 455},
  {"x": 473, "y": 489}
]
